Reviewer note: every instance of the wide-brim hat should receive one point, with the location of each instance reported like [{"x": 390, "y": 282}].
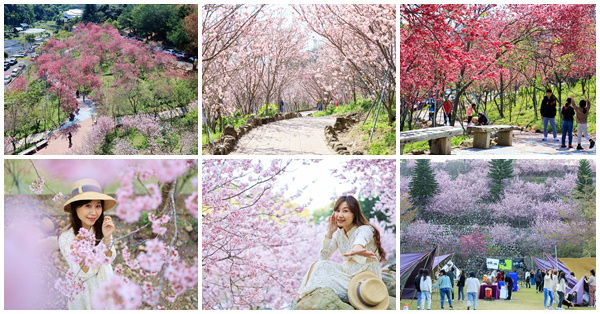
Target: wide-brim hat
[
  {"x": 89, "y": 190},
  {"x": 367, "y": 291}
]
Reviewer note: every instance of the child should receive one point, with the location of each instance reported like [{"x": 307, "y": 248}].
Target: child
[
  {"x": 567, "y": 113},
  {"x": 470, "y": 110},
  {"x": 582, "y": 116}
]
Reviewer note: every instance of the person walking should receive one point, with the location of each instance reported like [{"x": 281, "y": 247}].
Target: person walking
[
  {"x": 472, "y": 285},
  {"x": 426, "y": 289},
  {"x": 461, "y": 286},
  {"x": 548, "y": 112},
  {"x": 567, "y": 113},
  {"x": 548, "y": 292},
  {"x": 417, "y": 283},
  {"x": 444, "y": 284},
  {"x": 582, "y": 113},
  {"x": 527, "y": 279},
  {"x": 561, "y": 288},
  {"x": 452, "y": 275},
  {"x": 447, "y": 108}
]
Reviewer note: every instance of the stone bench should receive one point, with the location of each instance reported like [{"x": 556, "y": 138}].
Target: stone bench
[
  {"x": 483, "y": 133},
  {"x": 440, "y": 137},
  {"x": 34, "y": 148}
]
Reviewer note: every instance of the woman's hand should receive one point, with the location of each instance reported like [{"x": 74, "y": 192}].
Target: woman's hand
[
  {"x": 108, "y": 227},
  {"x": 332, "y": 225},
  {"x": 360, "y": 251}
]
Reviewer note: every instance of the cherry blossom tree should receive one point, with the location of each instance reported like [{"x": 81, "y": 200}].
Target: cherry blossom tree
[
  {"x": 258, "y": 54},
  {"x": 144, "y": 186},
  {"x": 540, "y": 208},
  {"x": 256, "y": 241},
  {"x": 486, "y": 47}
]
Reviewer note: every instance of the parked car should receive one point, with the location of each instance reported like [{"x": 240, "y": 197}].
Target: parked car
[
  {"x": 6, "y": 66},
  {"x": 7, "y": 80},
  {"x": 13, "y": 61},
  {"x": 14, "y": 72}
]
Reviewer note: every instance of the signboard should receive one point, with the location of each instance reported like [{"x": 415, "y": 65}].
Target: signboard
[
  {"x": 505, "y": 264},
  {"x": 492, "y": 263}
]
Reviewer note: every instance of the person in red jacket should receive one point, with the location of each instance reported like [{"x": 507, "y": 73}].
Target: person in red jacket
[{"x": 447, "y": 107}]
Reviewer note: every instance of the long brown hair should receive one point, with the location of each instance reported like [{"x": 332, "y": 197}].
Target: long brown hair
[
  {"x": 75, "y": 222},
  {"x": 361, "y": 220}
]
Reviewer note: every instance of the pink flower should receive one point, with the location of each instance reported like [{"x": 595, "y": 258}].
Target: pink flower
[
  {"x": 116, "y": 293},
  {"x": 182, "y": 276},
  {"x": 155, "y": 256},
  {"x": 37, "y": 186},
  {"x": 169, "y": 170},
  {"x": 151, "y": 294},
  {"x": 157, "y": 222},
  {"x": 58, "y": 197}
]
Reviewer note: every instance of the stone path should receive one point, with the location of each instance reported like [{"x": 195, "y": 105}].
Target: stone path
[
  {"x": 298, "y": 136},
  {"x": 530, "y": 143}
]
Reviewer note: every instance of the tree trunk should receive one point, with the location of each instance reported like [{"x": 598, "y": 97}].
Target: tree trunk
[{"x": 501, "y": 108}]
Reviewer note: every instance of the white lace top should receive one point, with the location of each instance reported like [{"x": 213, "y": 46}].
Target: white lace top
[
  {"x": 343, "y": 241},
  {"x": 93, "y": 277}
]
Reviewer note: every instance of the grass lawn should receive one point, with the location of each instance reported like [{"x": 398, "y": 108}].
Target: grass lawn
[
  {"x": 525, "y": 299},
  {"x": 523, "y": 114}
]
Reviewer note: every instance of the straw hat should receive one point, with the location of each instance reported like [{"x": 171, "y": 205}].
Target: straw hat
[
  {"x": 367, "y": 291},
  {"x": 89, "y": 190}
]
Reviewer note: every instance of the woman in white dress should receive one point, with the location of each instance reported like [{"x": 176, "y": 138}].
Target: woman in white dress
[
  {"x": 358, "y": 241},
  {"x": 86, "y": 208}
]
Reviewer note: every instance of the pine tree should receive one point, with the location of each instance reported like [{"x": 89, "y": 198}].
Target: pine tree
[
  {"x": 585, "y": 176},
  {"x": 500, "y": 170},
  {"x": 423, "y": 185}
]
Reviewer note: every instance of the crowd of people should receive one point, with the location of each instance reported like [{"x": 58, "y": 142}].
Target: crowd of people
[
  {"x": 569, "y": 113},
  {"x": 552, "y": 283}
]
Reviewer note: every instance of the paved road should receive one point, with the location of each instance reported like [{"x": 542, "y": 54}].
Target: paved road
[
  {"x": 59, "y": 145},
  {"x": 299, "y": 136},
  {"x": 530, "y": 143}
]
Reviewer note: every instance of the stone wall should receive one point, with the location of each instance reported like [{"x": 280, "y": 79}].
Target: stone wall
[
  {"x": 231, "y": 136},
  {"x": 342, "y": 124}
]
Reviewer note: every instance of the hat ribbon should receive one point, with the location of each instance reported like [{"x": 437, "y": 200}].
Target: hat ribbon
[
  {"x": 360, "y": 297},
  {"x": 86, "y": 188}
]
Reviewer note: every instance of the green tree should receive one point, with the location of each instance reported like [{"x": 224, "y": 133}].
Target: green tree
[
  {"x": 500, "y": 170},
  {"x": 423, "y": 185},
  {"x": 154, "y": 19},
  {"x": 89, "y": 13},
  {"x": 28, "y": 40},
  {"x": 585, "y": 176}
]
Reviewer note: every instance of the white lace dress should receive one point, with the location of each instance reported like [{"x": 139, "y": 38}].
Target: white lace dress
[
  {"x": 327, "y": 274},
  {"x": 92, "y": 278}
]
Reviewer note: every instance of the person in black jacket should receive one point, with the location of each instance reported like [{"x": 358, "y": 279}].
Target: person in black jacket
[
  {"x": 461, "y": 285},
  {"x": 418, "y": 288},
  {"x": 539, "y": 280},
  {"x": 509, "y": 285},
  {"x": 548, "y": 112},
  {"x": 482, "y": 119},
  {"x": 567, "y": 114}
]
